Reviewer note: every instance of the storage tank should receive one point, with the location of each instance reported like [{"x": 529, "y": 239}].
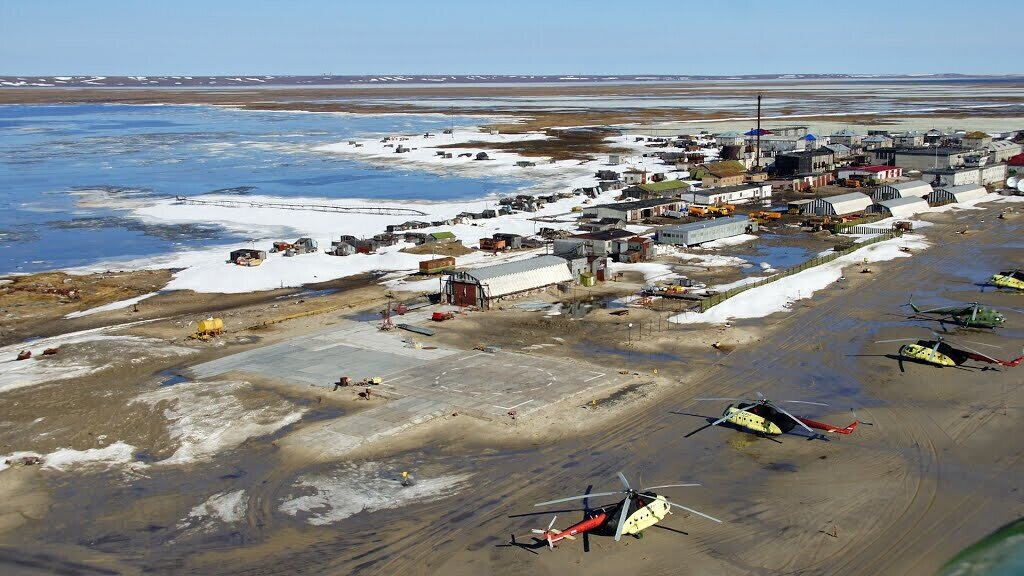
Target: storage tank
[{"x": 211, "y": 326}]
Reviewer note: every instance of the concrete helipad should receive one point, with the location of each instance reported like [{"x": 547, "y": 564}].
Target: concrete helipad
[
  {"x": 496, "y": 383},
  {"x": 423, "y": 383}
]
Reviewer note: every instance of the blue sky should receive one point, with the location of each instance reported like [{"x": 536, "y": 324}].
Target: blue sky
[{"x": 214, "y": 37}]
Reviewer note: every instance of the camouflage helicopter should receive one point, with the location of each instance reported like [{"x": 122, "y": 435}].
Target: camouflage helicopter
[{"x": 971, "y": 315}]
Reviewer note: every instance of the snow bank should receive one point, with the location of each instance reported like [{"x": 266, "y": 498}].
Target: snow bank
[
  {"x": 62, "y": 366},
  {"x": 209, "y": 417},
  {"x": 65, "y": 458},
  {"x": 361, "y": 488},
  {"x": 778, "y": 296},
  {"x": 108, "y": 307},
  {"x": 226, "y": 507}
]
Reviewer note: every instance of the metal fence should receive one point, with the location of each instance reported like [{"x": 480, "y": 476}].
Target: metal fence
[{"x": 717, "y": 299}]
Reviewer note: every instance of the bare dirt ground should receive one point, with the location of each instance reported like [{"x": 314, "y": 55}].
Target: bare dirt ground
[{"x": 939, "y": 466}]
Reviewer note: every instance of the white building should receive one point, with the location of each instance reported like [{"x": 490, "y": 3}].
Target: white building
[
  {"x": 840, "y": 205},
  {"x": 741, "y": 194},
  {"x": 904, "y": 207},
  {"x": 1003, "y": 150},
  {"x": 961, "y": 176},
  {"x": 950, "y": 194},
  {"x": 901, "y": 190}
]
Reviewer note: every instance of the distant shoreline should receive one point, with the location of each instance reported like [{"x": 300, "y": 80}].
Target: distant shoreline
[{"x": 222, "y": 81}]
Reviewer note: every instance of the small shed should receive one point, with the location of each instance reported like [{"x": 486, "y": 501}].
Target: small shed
[
  {"x": 950, "y": 194},
  {"x": 513, "y": 241},
  {"x": 904, "y": 207},
  {"x": 901, "y": 190},
  {"x": 440, "y": 237},
  {"x": 247, "y": 254},
  {"x": 840, "y": 205}
]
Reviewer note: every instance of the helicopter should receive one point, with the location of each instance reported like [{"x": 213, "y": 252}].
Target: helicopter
[
  {"x": 1009, "y": 279},
  {"x": 941, "y": 352},
  {"x": 764, "y": 417},
  {"x": 970, "y": 316},
  {"x": 639, "y": 510}
]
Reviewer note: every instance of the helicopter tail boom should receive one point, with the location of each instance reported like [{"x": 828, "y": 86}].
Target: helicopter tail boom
[{"x": 830, "y": 428}]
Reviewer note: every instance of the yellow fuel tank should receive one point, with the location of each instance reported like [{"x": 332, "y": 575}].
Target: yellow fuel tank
[{"x": 211, "y": 326}]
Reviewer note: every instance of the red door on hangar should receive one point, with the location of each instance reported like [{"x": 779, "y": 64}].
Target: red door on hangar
[{"x": 463, "y": 294}]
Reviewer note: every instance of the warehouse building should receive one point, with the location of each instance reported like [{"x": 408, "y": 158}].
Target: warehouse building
[
  {"x": 481, "y": 287},
  {"x": 730, "y": 194},
  {"x": 706, "y": 231},
  {"x": 634, "y": 211},
  {"x": 904, "y": 207},
  {"x": 919, "y": 158},
  {"x": 1003, "y": 150},
  {"x": 901, "y": 190},
  {"x": 840, "y": 205},
  {"x": 951, "y": 194},
  {"x": 959, "y": 176}
]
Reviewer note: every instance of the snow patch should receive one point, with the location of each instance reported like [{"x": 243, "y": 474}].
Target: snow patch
[
  {"x": 362, "y": 488},
  {"x": 778, "y": 296},
  {"x": 209, "y": 417}
]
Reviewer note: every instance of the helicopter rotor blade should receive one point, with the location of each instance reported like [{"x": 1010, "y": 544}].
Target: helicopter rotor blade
[
  {"x": 795, "y": 419},
  {"x": 622, "y": 478},
  {"x": 804, "y": 402},
  {"x": 580, "y": 497},
  {"x": 552, "y": 523},
  {"x": 980, "y": 344},
  {"x": 623, "y": 515},
  {"x": 724, "y": 418},
  {"x": 722, "y": 399},
  {"x": 896, "y": 340},
  {"x": 974, "y": 312},
  {"x": 649, "y": 488},
  {"x": 759, "y": 395},
  {"x": 692, "y": 511},
  {"x": 986, "y": 356}
]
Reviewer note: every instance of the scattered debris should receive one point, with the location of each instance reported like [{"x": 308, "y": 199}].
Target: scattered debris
[{"x": 24, "y": 355}]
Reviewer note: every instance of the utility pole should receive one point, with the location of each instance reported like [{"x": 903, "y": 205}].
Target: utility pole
[{"x": 757, "y": 135}]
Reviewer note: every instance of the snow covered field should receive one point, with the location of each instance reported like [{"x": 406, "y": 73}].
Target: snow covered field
[{"x": 207, "y": 270}]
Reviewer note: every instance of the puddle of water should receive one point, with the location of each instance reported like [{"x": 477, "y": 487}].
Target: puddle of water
[
  {"x": 170, "y": 378},
  {"x": 367, "y": 316},
  {"x": 778, "y": 257}
]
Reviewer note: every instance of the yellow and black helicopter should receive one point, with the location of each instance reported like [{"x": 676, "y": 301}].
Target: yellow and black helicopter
[
  {"x": 943, "y": 353},
  {"x": 971, "y": 315},
  {"x": 1008, "y": 280}
]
